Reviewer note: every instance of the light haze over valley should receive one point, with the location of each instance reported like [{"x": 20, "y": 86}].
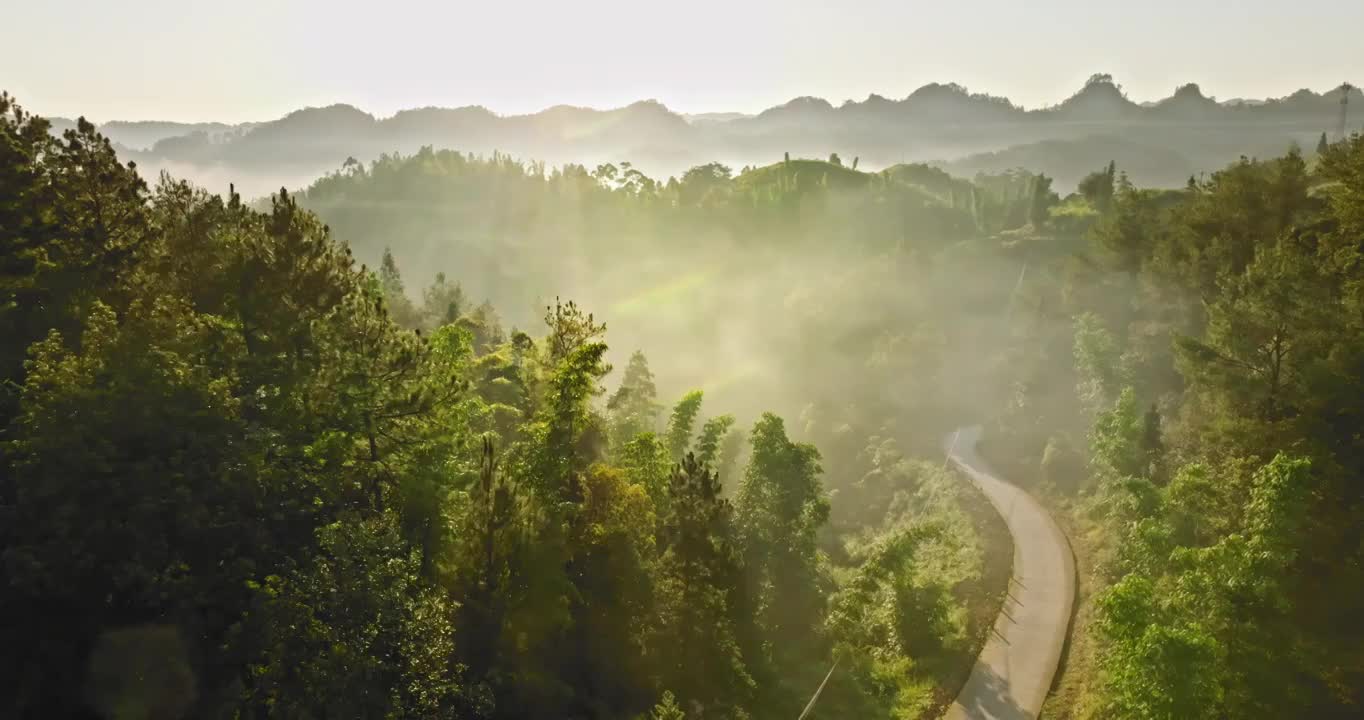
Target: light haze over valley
[{"x": 721, "y": 361}]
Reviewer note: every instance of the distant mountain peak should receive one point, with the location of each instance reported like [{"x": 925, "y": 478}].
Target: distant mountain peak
[
  {"x": 650, "y": 107},
  {"x": 1189, "y": 91},
  {"x": 1100, "y": 85},
  {"x": 333, "y": 109},
  {"x": 938, "y": 90},
  {"x": 1101, "y": 98},
  {"x": 806, "y": 102},
  {"x": 1188, "y": 103},
  {"x": 796, "y": 107}
]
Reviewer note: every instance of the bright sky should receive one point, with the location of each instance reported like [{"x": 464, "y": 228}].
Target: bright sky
[{"x": 258, "y": 59}]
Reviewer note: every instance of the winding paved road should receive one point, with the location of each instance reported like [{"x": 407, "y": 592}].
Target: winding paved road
[{"x": 1015, "y": 669}]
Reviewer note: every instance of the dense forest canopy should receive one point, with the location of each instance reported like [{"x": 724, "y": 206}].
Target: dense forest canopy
[{"x": 354, "y": 452}]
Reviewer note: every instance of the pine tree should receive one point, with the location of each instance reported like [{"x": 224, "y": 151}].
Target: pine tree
[
  {"x": 395, "y": 293},
  {"x": 700, "y": 573},
  {"x": 634, "y": 408},
  {"x": 667, "y": 709}
]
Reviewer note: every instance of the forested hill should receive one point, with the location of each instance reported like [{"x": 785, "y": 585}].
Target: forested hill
[
  {"x": 352, "y": 452},
  {"x": 1188, "y": 133},
  {"x": 245, "y": 476},
  {"x": 688, "y": 266}
]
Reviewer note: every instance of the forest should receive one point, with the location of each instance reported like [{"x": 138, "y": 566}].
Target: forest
[{"x": 368, "y": 448}]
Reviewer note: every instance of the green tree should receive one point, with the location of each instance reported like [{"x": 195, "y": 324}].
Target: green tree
[
  {"x": 681, "y": 424},
  {"x": 709, "y": 443},
  {"x": 1158, "y": 667},
  {"x": 613, "y": 553},
  {"x": 380, "y": 392},
  {"x": 1121, "y": 438},
  {"x": 1242, "y": 208},
  {"x": 485, "y": 326},
  {"x": 1129, "y": 233},
  {"x": 1196, "y": 632},
  {"x": 395, "y": 293},
  {"x": 443, "y": 303},
  {"x": 699, "y": 575},
  {"x": 1043, "y": 200},
  {"x": 73, "y": 224},
  {"x": 634, "y": 406},
  {"x": 1270, "y": 325},
  {"x": 1096, "y": 362},
  {"x": 355, "y": 633},
  {"x": 647, "y": 463},
  {"x": 699, "y": 182},
  {"x": 134, "y": 425},
  {"x": 779, "y": 509},
  {"x": 667, "y": 709},
  {"x": 1099, "y": 187}
]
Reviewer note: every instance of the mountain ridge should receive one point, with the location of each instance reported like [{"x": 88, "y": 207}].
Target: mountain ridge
[
  {"x": 938, "y": 122},
  {"x": 1303, "y": 99}
]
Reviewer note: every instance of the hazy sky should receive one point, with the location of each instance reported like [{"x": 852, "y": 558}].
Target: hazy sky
[{"x": 237, "y": 60}]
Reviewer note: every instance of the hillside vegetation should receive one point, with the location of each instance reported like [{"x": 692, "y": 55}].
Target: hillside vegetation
[{"x": 353, "y": 452}]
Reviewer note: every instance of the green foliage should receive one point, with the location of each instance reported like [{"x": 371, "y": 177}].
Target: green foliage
[
  {"x": 443, "y": 303},
  {"x": 634, "y": 406},
  {"x": 715, "y": 434},
  {"x": 356, "y": 633},
  {"x": 1192, "y": 629},
  {"x": 244, "y": 477},
  {"x": 1123, "y": 441},
  {"x": 647, "y": 462},
  {"x": 1159, "y": 669},
  {"x": 1230, "y": 309},
  {"x": 699, "y": 586},
  {"x": 1098, "y": 187},
  {"x": 667, "y": 709},
  {"x": 1271, "y": 322},
  {"x": 779, "y": 509},
  {"x": 1063, "y": 467},
  {"x": 704, "y": 184},
  {"x": 1096, "y": 362},
  {"x": 73, "y": 223},
  {"x": 681, "y": 424}
]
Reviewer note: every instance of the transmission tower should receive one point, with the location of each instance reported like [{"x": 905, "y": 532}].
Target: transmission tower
[{"x": 1345, "y": 89}]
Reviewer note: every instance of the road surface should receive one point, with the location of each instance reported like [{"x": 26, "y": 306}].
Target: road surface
[{"x": 1015, "y": 669}]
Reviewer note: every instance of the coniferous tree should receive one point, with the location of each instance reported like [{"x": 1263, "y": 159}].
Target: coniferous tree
[
  {"x": 699, "y": 573},
  {"x": 634, "y": 407}
]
